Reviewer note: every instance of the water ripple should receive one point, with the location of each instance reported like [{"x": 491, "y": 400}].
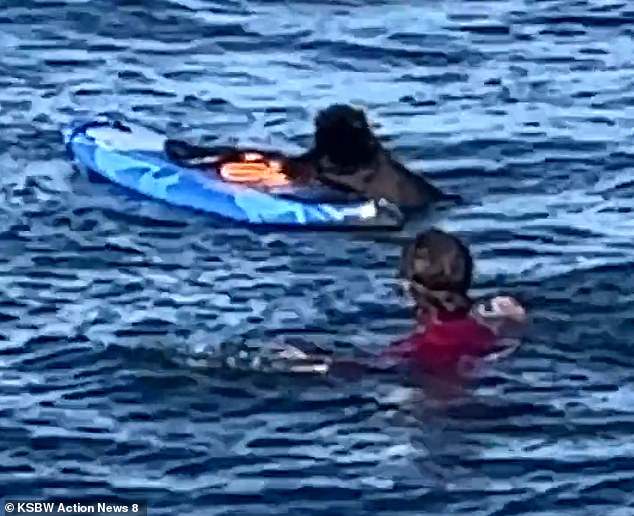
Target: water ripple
[{"x": 110, "y": 303}]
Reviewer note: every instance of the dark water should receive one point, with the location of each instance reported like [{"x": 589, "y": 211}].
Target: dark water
[{"x": 525, "y": 107}]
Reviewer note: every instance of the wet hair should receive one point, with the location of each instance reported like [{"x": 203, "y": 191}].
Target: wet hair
[
  {"x": 342, "y": 134},
  {"x": 439, "y": 269}
]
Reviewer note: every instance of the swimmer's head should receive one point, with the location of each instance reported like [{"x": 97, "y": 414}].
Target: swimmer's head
[
  {"x": 342, "y": 133},
  {"x": 439, "y": 270}
]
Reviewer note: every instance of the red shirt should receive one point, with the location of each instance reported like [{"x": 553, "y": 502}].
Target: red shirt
[{"x": 445, "y": 341}]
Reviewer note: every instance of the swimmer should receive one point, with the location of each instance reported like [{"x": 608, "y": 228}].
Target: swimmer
[
  {"x": 452, "y": 330},
  {"x": 345, "y": 155},
  {"x": 438, "y": 270}
]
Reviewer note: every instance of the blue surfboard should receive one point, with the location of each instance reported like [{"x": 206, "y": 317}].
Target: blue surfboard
[{"x": 132, "y": 156}]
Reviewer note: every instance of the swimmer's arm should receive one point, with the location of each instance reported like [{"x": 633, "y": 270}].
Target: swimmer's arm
[
  {"x": 299, "y": 361},
  {"x": 504, "y": 348},
  {"x": 400, "y": 349}
]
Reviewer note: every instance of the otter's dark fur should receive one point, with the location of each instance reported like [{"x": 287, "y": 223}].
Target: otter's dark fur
[{"x": 346, "y": 155}]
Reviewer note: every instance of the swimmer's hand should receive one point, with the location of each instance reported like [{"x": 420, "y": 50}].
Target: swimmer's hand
[
  {"x": 501, "y": 313},
  {"x": 300, "y": 362},
  {"x": 507, "y": 318}
]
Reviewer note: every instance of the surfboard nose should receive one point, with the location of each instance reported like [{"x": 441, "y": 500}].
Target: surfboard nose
[
  {"x": 70, "y": 130},
  {"x": 81, "y": 125},
  {"x": 75, "y": 128}
]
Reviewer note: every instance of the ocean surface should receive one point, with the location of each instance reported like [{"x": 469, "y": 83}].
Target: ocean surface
[{"x": 110, "y": 303}]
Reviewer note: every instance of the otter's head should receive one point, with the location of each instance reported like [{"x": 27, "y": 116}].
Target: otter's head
[{"x": 342, "y": 134}]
